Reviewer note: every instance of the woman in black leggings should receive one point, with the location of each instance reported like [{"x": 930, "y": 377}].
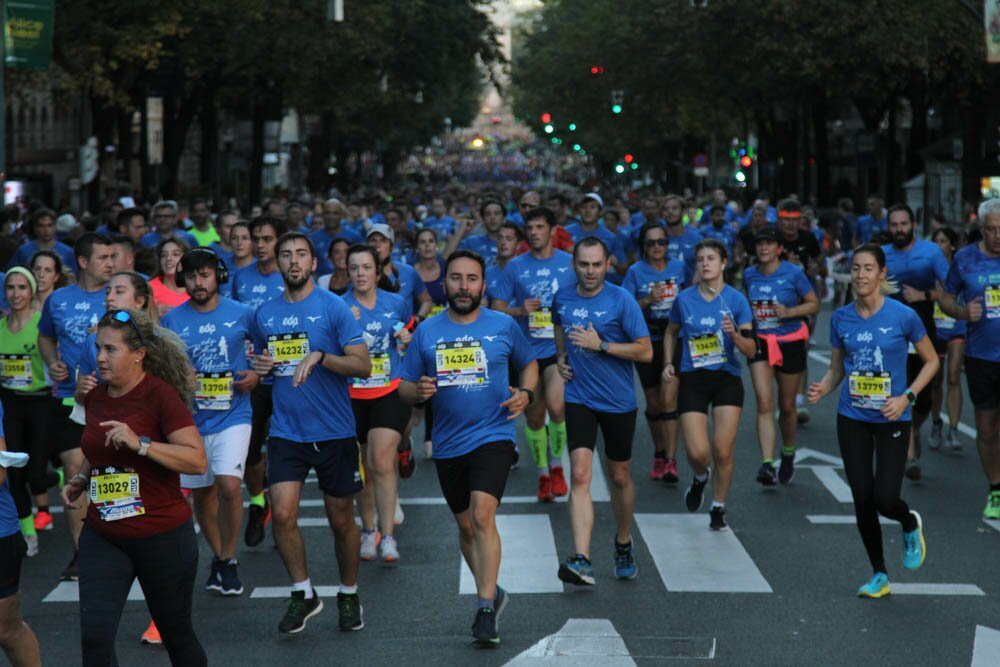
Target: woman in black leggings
[{"x": 869, "y": 340}]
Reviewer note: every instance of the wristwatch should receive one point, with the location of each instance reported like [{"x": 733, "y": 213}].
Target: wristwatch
[
  {"x": 604, "y": 346},
  {"x": 531, "y": 394},
  {"x": 910, "y": 395},
  {"x": 144, "y": 443}
]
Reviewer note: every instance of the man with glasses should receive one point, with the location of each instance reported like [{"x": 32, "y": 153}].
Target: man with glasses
[{"x": 165, "y": 215}]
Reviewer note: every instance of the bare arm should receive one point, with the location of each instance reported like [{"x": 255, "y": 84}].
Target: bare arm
[
  {"x": 514, "y": 311},
  {"x": 834, "y": 376}
]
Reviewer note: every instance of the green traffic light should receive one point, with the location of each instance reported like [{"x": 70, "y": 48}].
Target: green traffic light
[
  {"x": 576, "y": 147},
  {"x": 617, "y": 108},
  {"x": 619, "y": 169},
  {"x": 572, "y": 127},
  {"x": 635, "y": 165}
]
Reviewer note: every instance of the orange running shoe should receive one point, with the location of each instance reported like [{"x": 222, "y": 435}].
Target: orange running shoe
[
  {"x": 545, "y": 489},
  {"x": 558, "y": 481},
  {"x": 151, "y": 635}
]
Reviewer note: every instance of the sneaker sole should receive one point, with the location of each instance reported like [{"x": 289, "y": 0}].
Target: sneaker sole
[
  {"x": 874, "y": 596},
  {"x": 150, "y": 642},
  {"x": 670, "y": 479},
  {"x": 232, "y": 591},
  {"x": 627, "y": 577},
  {"x": 789, "y": 480},
  {"x": 575, "y": 578},
  {"x": 491, "y": 642},
  {"x": 499, "y": 608},
  {"x": 765, "y": 480},
  {"x": 214, "y": 588},
  {"x": 302, "y": 627}
]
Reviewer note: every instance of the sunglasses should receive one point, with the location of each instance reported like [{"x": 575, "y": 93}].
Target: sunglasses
[
  {"x": 124, "y": 316},
  {"x": 652, "y": 243}
]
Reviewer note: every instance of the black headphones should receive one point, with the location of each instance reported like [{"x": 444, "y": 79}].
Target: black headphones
[{"x": 221, "y": 270}]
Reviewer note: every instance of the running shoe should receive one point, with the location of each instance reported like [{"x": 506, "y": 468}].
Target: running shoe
[
  {"x": 369, "y": 543},
  {"x": 802, "y": 414},
  {"x": 717, "y": 520},
  {"x": 695, "y": 495},
  {"x": 670, "y": 475},
  {"x": 214, "y": 581},
  {"x": 625, "y": 565},
  {"x": 913, "y": 471},
  {"x": 70, "y": 572},
  {"x": 407, "y": 463},
  {"x": 936, "y": 437},
  {"x": 766, "y": 475},
  {"x": 876, "y": 587},
  {"x": 577, "y": 570},
  {"x": 517, "y": 458},
  {"x": 351, "y": 612},
  {"x": 43, "y": 521},
  {"x": 31, "y": 544},
  {"x": 397, "y": 515},
  {"x": 786, "y": 471},
  {"x": 151, "y": 635},
  {"x": 387, "y": 549},
  {"x": 500, "y": 602},
  {"x": 484, "y": 628},
  {"x": 992, "y": 510},
  {"x": 257, "y": 519},
  {"x": 914, "y": 548},
  {"x": 299, "y": 611},
  {"x": 952, "y": 443},
  {"x": 230, "y": 578},
  {"x": 659, "y": 467},
  {"x": 545, "y": 494},
  {"x": 558, "y": 481}
]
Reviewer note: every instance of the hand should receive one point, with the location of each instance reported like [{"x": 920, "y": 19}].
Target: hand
[
  {"x": 357, "y": 312},
  {"x": 531, "y": 305},
  {"x": 895, "y": 407},
  {"x": 85, "y": 383},
  {"x": 587, "y": 338},
  {"x": 59, "y": 371},
  {"x": 565, "y": 370},
  {"x": 404, "y": 336},
  {"x": 781, "y": 310},
  {"x": 72, "y": 490},
  {"x": 248, "y": 380},
  {"x": 728, "y": 328},
  {"x": 975, "y": 310},
  {"x": 669, "y": 372},
  {"x": 263, "y": 363},
  {"x": 426, "y": 388},
  {"x": 517, "y": 402},
  {"x": 465, "y": 227},
  {"x": 305, "y": 367},
  {"x": 120, "y": 435},
  {"x": 816, "y": 391},
  {"x": 911, "y": 295}
]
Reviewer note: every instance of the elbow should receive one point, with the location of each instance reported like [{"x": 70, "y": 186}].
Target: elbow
[{"x": 646, "y": 355}]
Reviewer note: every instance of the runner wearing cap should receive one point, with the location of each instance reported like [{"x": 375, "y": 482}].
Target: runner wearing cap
[{"x": 590, "y": 208}]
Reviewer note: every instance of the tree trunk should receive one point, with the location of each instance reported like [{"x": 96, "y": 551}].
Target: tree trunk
[
  {"x": 178, "y": 114},
  {"x": 256, "y": 175},
  {"x": 822, "y": 153}
]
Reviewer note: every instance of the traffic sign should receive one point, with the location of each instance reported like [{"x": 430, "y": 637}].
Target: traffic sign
[{"x": 700, "y": 160}]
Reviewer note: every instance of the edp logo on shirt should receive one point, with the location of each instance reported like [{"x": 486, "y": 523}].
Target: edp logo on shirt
[
  {"x": 865, "y": 337},
  {"x": 291, "y": 321}
]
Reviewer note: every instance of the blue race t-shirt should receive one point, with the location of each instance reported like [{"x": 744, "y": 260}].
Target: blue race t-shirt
[
  {"x": 483, "y": 245},
  {"x": 217, "y": 346},
  {"x": 600, "y": 381},
  {"x": 526, "y": 277},
  {"x": 725, "y": 235},
  {"x": 640, "y": 281},
  {"x": 493, "y": 275},
  {"x": 704, "y": 345},
  {"x": 682, "y": 246},
  {"x": 867, "y": 227},
  {"x": 69, "y": 315},
  {"x": 151, "y": 239},
  {"x": 24, "y": 254},
  {"x": 379, "y": 325},
  {"x": 577, "y": 232},
  {"x": 8, "y": 512},
  {"x": 875, "y": 351},
  {"x": 253, "y": 288},
  {"x": 320, "y": 408},
  {"x": 470, "y": 362},
  {"x": 787, "y": 285},
  {"x": 919, "y": 266},
  {"x": 322, "y": 240},
  {"x": 443, "y": 226},
  {"x": 974, "y": 274},
  {"x": 411, "y": 287}
]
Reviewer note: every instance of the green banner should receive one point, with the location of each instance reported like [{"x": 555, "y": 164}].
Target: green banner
[{"x": 27, "y": 33}]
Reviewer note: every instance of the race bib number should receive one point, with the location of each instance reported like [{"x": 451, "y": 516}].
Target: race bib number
[
  {"x": 869, "y": 390},
  {"x": 540, "y": 324},
  {"x": 991, "y": 301},
  {"x": 15, "y": 371},
  {"x": 941, "y": 320},
  {"x": 287, "y": 350},
  {"x": 215, "y": 391},
  {"x": 114, "y": 492},
  {"x": 707, "y": 350},
  {"x": 765, "y": 314},
  {"x": 663, "y": 304},
  {"x": 460, "y": 363},
  {"x": 381, "y": 370}
]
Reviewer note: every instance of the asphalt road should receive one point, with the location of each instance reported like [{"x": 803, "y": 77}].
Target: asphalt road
[{"x": 777, "y": 589}]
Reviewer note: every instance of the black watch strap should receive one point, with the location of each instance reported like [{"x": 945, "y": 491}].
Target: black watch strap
[
  {"x": 910, "y": 395},
  {"x": 531, "y": 394}
]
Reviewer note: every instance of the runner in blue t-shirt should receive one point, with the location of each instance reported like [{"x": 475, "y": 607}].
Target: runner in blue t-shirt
[
  {"x": 600, "y": 332},
  {"x": 781, "y": 298},
  {"x": 399, "y": 277},
  {"x": 532, "y": 280},
  {"x": 590, "y": 209},
  {"x": 310, "y": 342},
  {"x": 869, "y": 340},
  {"x": 509, "y": 238},
  {"x": 710, "y": 321},
  {"x": 67, "y": 317},
  {"x": 217, "y": 332},
  {"x": 459, "y": 360},
  {"x": 41, "y": 229},
  {"x": 485, "y": 244},
  {"x": 655, "y": 281},
  {"x": 974, "y": 278},
  {"x": 949, "y": 341},
  {"x": 255, "y": 285}
]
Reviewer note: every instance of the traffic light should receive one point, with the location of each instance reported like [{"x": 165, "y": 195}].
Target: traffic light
[
  {"x": 740, "y": 177},
  {"x": 546, "y": 118},
  {"x": 746, "y": 161},
  {"x": 619, "y": 169},
  {"x": 549, "y": 129},
  {"x": 616, "y": 108},
  {"x": 635, "y": 165},
  {"x": 572, "y": 127},
  {"x": 576, "y": 147},
  {"x": 597, "y": 70},
  {"x": 629, "y": 158}
]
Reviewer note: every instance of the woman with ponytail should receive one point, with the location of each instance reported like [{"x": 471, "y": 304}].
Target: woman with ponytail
[
  {"x": 139, "y": 435},
  {"x": 869, "y": 340}
]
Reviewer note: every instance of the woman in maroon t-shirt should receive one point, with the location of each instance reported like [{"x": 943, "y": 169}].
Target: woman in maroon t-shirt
[{"x": 139, "y": 435}]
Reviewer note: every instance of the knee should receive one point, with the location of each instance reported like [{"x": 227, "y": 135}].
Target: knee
[
  {"x": 581, "y": 477},
  {"x": 464, "y": 527},
  {"x": 228, "y": 487},
  {"x": 383, "y": 460},
  {"x": 723, "y": 459},
  {"x": 558, "y": 414},
  {"x": 765, "y": 406},
  {"x": 483, "y": 520},
  {"x": 10, "y": 626},
  {"x": 284, "y": 517},
  {"x": 620, "y": 475}
]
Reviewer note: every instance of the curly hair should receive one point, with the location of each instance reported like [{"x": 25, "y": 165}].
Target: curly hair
[{"x": 166, "y": 355}]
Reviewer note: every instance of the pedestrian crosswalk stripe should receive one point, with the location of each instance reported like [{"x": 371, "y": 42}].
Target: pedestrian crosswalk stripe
[
  {"x": 691, "y": 557},
  {"x": 530, "y": 560},
  {"x": 837, "y": 519},
  {"x": 833, "y": 482},
  {"x": 986, "y": 647},
  {"x": 272, "y": 592},
  {"x": 993, "y": 523},
  {"x": 936, "y": 589},
  {"x": 69, "y": 591}
]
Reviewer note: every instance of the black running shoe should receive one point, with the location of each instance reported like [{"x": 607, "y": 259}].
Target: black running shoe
[
  {"x": 718, "y": 518},
  {"x": 786, "y": 472},
  {"x": 214, "y": 581},
  {"x": 766, "y": 475},
  {"x": 70, "y": 573},
  {"x": 484, "y": 628},
  {"x": 257, "y": 519},
  {"x": 229, "y": 577},
  {"x": 350, "y": 609},
  {"x": 299, "y": 611},
  {"x": 695, "y": 495}
]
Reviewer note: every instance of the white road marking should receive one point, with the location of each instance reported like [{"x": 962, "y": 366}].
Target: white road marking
[
  {"x": 838, "y": 519},
  {"x": 69, "y": 591},
  {"x": 833, "y": 482},
  {"x": 986, "y": 647},
  {"x": 530, "y": 561},
  {"x": 936, "y": 589},
  {"x": 579, "y": 641},
  {"x": 286, "y": 591},
  {"x": 993, "y": 523},
  {"x": 802, "y": 454},
  {"x": 691, "y": 557}
]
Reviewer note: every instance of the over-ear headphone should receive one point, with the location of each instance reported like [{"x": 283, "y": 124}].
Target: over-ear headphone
[{"x": 221, "y": 270}]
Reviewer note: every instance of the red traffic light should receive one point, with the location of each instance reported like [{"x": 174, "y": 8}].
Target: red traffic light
[
  {"x": 546, "y": 118},
  {"x": 629, "y": 158},
  {"x": 746, "y": 161},
  {"x": 597, "y": 69}
]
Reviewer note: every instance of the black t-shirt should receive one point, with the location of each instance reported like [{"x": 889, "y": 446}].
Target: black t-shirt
[
  {"x": 805, "y": 248},
  {"x": 746, "y": 237}
]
